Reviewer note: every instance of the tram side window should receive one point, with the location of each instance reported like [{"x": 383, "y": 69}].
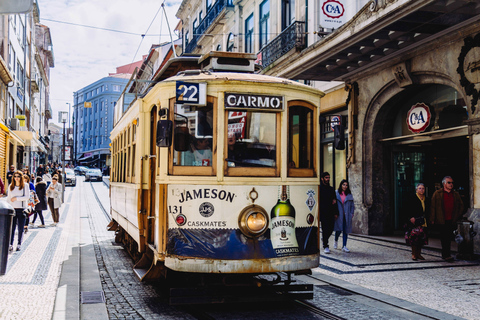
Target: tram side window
[
  {"x": 251, "y": 139},
  {"x": 193, "y": 136},
  {"x": 300, "y": 141}
]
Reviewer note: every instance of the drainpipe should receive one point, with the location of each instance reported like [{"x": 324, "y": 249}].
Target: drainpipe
[{"x": 306, "y": 23}]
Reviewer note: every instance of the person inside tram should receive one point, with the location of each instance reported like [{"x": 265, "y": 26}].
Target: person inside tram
[
  {"x": 200, "y": 153},
  {"x": 235, "y": 151}
]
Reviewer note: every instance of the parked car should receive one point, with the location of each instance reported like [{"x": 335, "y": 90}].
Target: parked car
[
  {"x": 70, "y": 179},
  {"x": 80, "y": 170},
  {"x": 93, "y": 174}
]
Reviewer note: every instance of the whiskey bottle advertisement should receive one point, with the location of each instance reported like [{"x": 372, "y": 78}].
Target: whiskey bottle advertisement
[{"x": 283, "y": 237}]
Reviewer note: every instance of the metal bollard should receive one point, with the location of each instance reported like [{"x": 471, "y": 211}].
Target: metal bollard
[
  {"x": 464, "y": 238},
  {"x": 6, "y": 218}
]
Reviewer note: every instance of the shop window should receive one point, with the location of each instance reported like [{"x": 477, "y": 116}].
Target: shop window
[
  {"x": 332, "y": 160},
  {"x": 447, "y": 108},
  {"x": 300, "y": 141}
]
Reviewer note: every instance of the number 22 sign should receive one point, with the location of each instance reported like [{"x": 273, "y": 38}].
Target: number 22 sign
[{"x": 191, "y": 93}]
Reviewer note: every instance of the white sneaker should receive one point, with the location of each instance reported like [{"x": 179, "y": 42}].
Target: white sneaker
[
  {"x": 326, "y": 250},
  {"x": 345, "y": 249},
  {"x": 335, "y": 245}
]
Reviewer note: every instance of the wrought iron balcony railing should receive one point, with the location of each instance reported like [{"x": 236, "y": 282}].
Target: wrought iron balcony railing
[
  {"x": 292, "y": 37},
  {"x": 210, "y": 17}
]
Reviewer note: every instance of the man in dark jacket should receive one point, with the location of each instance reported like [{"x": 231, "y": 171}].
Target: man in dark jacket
[
  {"x": 10, "y": 174},
  {"x": 446, "y": 209},
  {"x": 328, "y": 209}
]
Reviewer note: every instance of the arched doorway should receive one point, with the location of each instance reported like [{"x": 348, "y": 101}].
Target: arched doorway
[{"x": 401, "y": 158}]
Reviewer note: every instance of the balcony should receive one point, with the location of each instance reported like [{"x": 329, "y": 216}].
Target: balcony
[
  {"x": 217, "y": 8},
  {"x": 292, "y": 37},
  {"x": 34, "y": 84}
]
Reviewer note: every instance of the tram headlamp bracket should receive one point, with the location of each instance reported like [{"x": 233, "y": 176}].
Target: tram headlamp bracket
[{"x": 253, "y": 221}]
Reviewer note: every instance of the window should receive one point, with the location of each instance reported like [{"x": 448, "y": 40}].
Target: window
[
  {"x": 264, "y": 22},
  {"x": 195, "y": 25},
  {"x": 219, "y": 47},
  {"x": 230, "y": 42},
  {"x": 116, "y": 88},
  {"x": 251, "y": 143},
  {"x": 249, "y": 34},
  {"x": 193, "y": 131},
  {"x": 193, "y": 151},
  {"x": 209, "y": 4},
  {"x": 300, "y": 140},
  {"x": 186, "y": 38},
  {"x": 288, "y": 13}
]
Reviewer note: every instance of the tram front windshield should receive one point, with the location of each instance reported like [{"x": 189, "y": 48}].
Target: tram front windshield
[{"x": 251, "y": 138}]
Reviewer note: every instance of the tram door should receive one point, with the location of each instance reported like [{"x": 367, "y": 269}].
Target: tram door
[
  {"x": 409, "y": 169},
  {"x": 152, "y": 174}
]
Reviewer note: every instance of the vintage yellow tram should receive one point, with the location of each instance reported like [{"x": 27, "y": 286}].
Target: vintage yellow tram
[{"x": 215, "y": 171}]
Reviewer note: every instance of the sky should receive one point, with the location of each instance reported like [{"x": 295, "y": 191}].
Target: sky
[{"x": 84, "y": 55}]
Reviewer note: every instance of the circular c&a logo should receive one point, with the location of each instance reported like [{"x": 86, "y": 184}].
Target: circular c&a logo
[{"x": 333, "y": 9}]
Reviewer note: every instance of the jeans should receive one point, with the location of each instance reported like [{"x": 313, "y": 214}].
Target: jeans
[
  {"x": 40, "y": 214},
  {"x": 19, "y": 222},
  {"x": 345, "y": 234}
]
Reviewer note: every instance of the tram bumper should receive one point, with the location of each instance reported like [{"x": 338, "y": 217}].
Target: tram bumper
[{"x": 285, "y": 264}]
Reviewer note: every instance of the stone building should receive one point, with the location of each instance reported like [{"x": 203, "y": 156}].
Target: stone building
[{"x": 401, "y": 76}]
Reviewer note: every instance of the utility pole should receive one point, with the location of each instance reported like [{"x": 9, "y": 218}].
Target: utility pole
[{"x": 62, "y": 117}]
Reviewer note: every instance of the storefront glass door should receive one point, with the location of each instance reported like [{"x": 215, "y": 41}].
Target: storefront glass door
[{"x": 409, "y": 169}]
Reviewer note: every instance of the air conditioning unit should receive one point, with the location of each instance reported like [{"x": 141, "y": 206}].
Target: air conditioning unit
[{"x": 15, "y": 124}]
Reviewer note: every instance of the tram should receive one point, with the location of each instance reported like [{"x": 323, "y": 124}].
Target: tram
[{"x": 215, "y": 171}]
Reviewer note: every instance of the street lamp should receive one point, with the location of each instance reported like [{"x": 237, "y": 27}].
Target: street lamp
[{"x": 62, "y": 117}]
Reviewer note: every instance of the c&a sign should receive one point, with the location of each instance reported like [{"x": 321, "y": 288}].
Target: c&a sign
[
  {"x": 332, "y": 13},
  {"x": 418, "y": 118}
]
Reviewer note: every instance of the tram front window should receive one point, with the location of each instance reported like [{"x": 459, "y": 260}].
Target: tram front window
[
  {"x": 251, "y": 139},
  {"x": 193, "y": 136}
]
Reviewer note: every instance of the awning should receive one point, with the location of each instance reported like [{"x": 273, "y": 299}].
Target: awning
[
  {"x": 31, "y": 141},
  {"x": 5, "y": 75},
  {"x": 373, "y": 37},
  {"x": 18, "y": 139}
]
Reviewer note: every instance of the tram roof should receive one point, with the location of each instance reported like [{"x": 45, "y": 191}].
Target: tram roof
[{"x": 199, "y": 75}]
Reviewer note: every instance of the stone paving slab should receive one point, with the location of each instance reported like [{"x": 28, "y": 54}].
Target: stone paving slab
[{"x": 387, "y": 268}]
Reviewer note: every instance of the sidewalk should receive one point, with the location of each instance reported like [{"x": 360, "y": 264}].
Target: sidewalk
[
  {"x": 29, "y": 287},
  {"x": 382, "y": 268}
]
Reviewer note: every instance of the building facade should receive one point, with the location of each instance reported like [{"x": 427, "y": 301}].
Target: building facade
[
  {"x": 401, "y": 76},
  {"x": 93, "y": 108},
  {"x": 27, "y": 57}
]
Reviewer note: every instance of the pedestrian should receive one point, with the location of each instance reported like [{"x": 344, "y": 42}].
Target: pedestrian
[
  {"x": 10, "y": 174},
  {"x": 416, "y": 209},
  {"x": 18, "y": 195},
  {"x": 26, "y": 172},
  {"x": 328, "y": 209},
  {"x": 60, "y": 176},
  {"x": 47, "y": 177},
  {"x": 346, "y": 208},
  {"x": 40, "y": 170},
  {"x": 41, "y": 190},
  {"x": 2, "y": 188},
  {"x": 446, "y": 209},
  {"x": 26, "y": 179},
  {"x": 54, "y": 196}
]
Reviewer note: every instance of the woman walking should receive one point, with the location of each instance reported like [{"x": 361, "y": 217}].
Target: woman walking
[
  {"x": 26, "y": 179},
  {"x": 346, "y": 209},
  {"x": 18, "y": 195},
  {"x": 41, "y": 188},
  {"x": 415, "y": 209},
  {"x": 54, "y": 192}
]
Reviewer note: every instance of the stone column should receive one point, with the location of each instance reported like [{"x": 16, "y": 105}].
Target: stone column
[{"x": 474, "y": 211}]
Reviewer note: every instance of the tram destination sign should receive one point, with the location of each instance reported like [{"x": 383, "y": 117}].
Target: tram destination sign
[{"x": 253, "y": 101}]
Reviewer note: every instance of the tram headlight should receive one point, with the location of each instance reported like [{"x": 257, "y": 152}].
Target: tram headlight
[{"x": 253, "y": 221}]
